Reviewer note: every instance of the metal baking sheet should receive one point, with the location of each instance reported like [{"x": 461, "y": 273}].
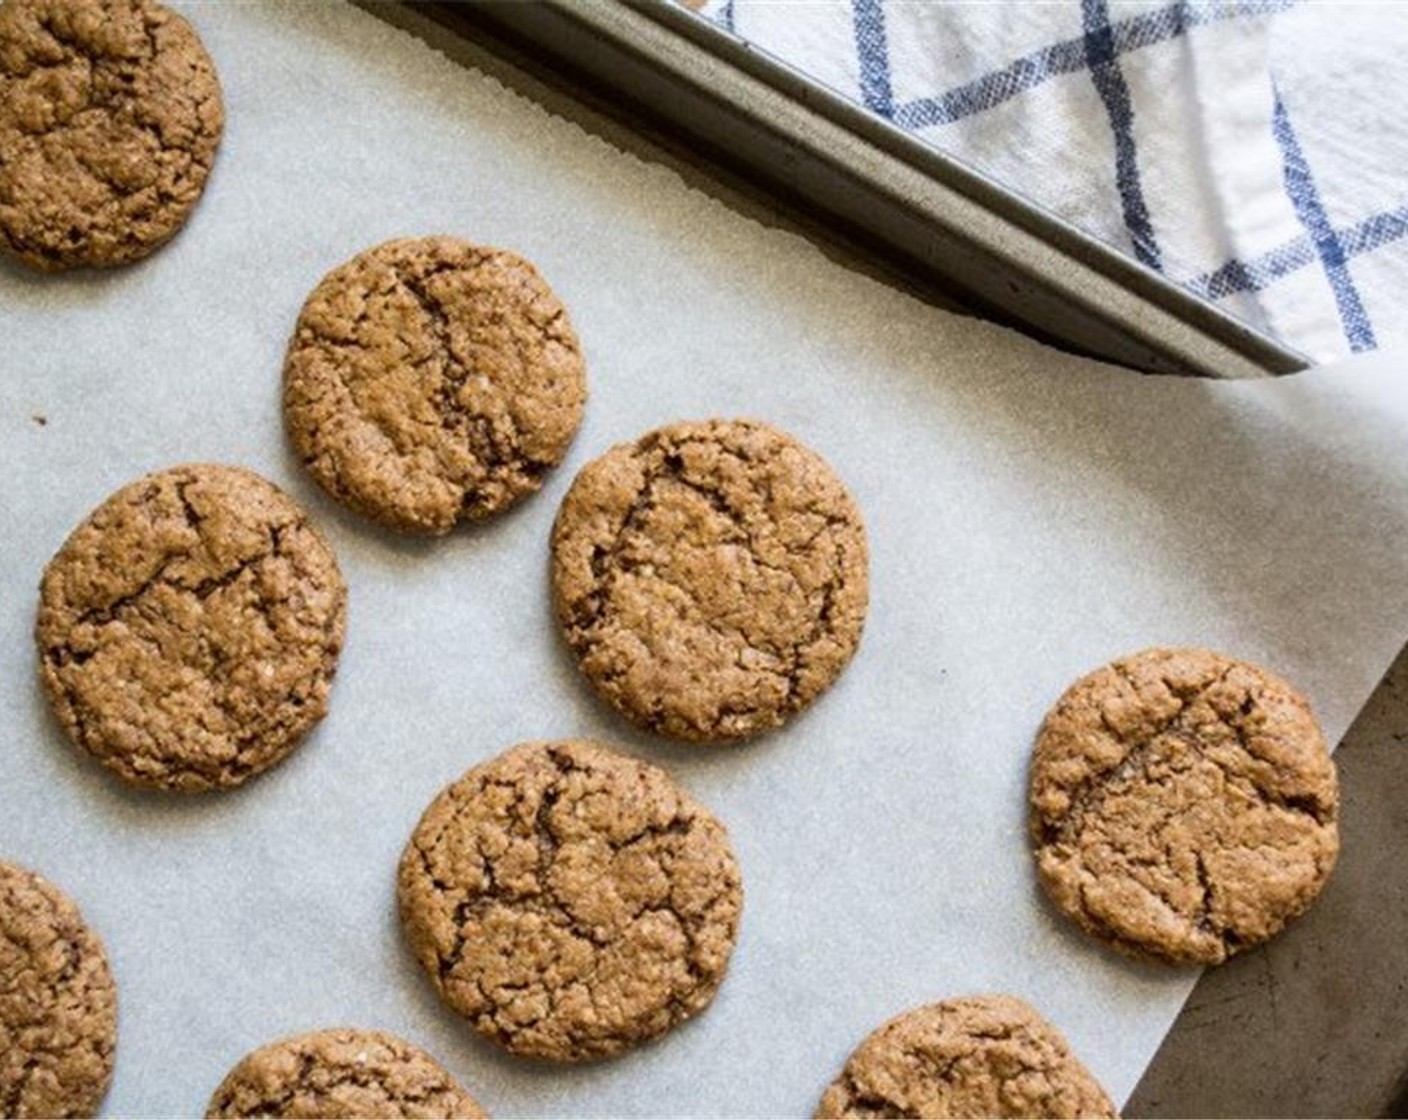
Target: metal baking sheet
[
  {"x": 1031, "y": 514},
  {"x": 926, "y": 214}
]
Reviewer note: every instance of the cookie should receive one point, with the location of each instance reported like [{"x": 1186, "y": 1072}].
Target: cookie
[
  {"x": 710, "y": 577},
  {"x": 1183, "y": 805},
  {"x": 58, "y": 1005},
  {"x": 979, "y": 1056},
  {"x": 189, "y": 629},
  {"x": 570, "y": 902},
  {"x": 342, "y": 1073},
  {"x": 110, "y": 115},
  {"x": 430, "y": 381}
]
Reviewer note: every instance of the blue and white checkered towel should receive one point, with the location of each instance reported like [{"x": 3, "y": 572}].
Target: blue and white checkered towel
[{"x": 1255, "y": 152}]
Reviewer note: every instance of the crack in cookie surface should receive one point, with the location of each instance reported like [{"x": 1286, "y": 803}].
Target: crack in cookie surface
[
  {"x": 342, "y": 1073},
  {"x": 189, "y": 629},
  {"x": 1184, "y": 805},
  {"x": 58, "y": 1005},
  {"x": 570, "y": 902},
  {"x": 430, "y": 380},
  {"x": 110, "y": 117},
  {"x": 975, "y": 1056},
  {"x": 711, "y": 578}
]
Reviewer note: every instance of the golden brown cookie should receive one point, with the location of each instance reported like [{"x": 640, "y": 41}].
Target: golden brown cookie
[
  {"x": 980, "y": 1056},
  {"x": 110, "y": 114},
  {"x": 570, "y": 902},
  {"x": 342, "y": 1073},
  {"x": 58, "y": 1005},
  {"x": 189, "y": 629},
  {"x": 1183, "y": 805},
  {"x": 710, "y": 577},
  {"x": 430, "y": 380}
]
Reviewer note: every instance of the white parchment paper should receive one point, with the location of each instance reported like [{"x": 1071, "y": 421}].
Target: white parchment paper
[{"x": 1031, "y": 515}]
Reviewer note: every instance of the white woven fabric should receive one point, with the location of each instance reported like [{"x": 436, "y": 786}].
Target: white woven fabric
[{"x": 1256, "y": 152}]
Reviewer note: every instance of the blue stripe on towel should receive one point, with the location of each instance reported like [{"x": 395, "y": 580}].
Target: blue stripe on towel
[
  {"x": 873, "y": 53},
  {"x": 1114, "y": 92},
  {"x": 1255, "y": 275},
  {"x": 1300, "y": 186},
  {"x": 1068, "y": 57},
  {"x": 1261, "y": 272},
  {"x": 1369, "y": 234},
  {"x": 994, "y": 88}
]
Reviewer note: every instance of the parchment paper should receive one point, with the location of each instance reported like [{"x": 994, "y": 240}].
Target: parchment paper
[{"x": 1031, "y": 515}]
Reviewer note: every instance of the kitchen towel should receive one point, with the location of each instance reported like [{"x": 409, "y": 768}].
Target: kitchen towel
[{"x": 1255, "y": 152}]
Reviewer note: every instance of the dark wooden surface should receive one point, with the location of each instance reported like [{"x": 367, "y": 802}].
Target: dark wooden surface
[{"x": 1315, "y": 1023}]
